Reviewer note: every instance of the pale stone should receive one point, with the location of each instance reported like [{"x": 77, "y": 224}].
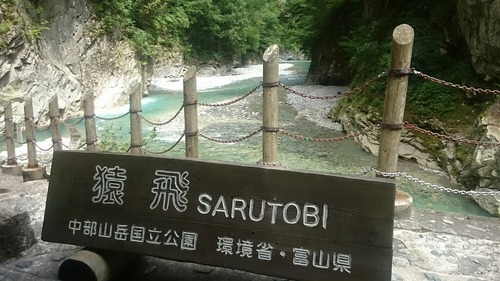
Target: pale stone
[{"x": 490, "y": 203}]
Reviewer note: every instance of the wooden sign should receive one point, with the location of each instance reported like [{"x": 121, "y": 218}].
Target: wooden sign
[{"x": 272, "y": 221}]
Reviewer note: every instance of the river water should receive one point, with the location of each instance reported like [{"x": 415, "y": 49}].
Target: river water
[{"x": 238, "y": 120}]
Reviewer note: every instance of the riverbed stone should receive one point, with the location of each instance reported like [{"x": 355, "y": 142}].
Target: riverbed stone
[{"x": 490, "y": 203}]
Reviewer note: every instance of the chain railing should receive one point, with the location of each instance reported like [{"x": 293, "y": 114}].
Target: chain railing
[
  {"x": 166, "y": 150},
  {"x": 162, "y": 123},
  {"x": 453, "y": 85},
  {"x": 43, "y": 149},
  {"x": 433, "y": 186},
  {"x": 296, "y": 136},
  {"x": 251, "y": 134},
  {"x": 339, "y": 94},
  {"x": 415, "y": 128},
  {"x": 70, "y": 125},
  {"x": 252, "y": 91},
  {"x": 336, "y": 139},
  {"x": 112, "y": 118}
]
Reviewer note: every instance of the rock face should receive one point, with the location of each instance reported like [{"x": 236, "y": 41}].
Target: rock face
[
  {"x": 479, "y": 23},
  {"x": 411, "y": 146},
  {"x": 69, "y": 61}
]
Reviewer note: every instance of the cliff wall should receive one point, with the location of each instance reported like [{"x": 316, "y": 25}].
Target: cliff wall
[{"x": 68, "y": 60}]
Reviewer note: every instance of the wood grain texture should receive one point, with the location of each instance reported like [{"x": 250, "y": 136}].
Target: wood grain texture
[{"x": 356, "y": 231}]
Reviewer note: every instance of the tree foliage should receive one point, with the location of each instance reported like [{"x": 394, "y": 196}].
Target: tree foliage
[
  {"x": 220, "y": 30},
  {"x": 436, "y": 51}
]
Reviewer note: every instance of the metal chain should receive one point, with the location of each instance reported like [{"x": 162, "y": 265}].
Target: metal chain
[
  {"x": 292, "y": 91},
  {"x": 435, "y": 186},
  {"x": 166, "y": 150},
  {"x": 64, "y": 145},
  {"x": 233, "y": 101},
  {"x": 18, "y": 142},
  {"x": 414, "y": 128},
  {"x": 162, "y": 123},
  {"x": 112, "y": 118},
  {"x": 85, "y": 143},
  {"x": 68, "y": 125},
  {"x": 342, "y": 138},
  {"x": 232, "y": 141},
  {"x": 42, "y": 149},
  {"x": 456, "y": 86},
  {"x": 338, "y": 95}
]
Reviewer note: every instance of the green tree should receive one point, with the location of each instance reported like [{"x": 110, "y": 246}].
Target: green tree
[{"x": 219, "y": 30}]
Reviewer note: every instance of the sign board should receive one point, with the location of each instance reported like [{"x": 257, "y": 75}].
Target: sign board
[{"x": 272, "y": 221}]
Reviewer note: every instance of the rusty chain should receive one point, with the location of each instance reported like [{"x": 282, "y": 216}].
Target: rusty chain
[
  {"x": 338, "y": 95},
  {"x": 70, "y": 125},
  {"x": 456, "y": 86},
  {"x": 414, "y": 128},
  {"x": 19, "y": 142},
  {"x": 434, "y": 186},
  {"x": 166, "y": 150},
  {"x": 42, "y": 149},
  {"x": 234, "y": 140},
  {"x": 342, "y": 138},
  {"x": 252, "y": 91},
  {"x": 112, "y": 118},
  {"x": 64, "y": 145},
  {"x": 161, "y": 123}
]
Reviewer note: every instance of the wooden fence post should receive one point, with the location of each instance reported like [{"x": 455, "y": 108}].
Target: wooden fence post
[
  {"x": 30, "y": 133},
  {"x": 270, "y": 105},
  {"x": 135, "y": 122},
  {"x": 190, "y": 113},
  {"x": 90, "y": 129},
  {"x": 394, "y": 107},
  {"x": 9, "y": 135},
  {"x": 32, "y": 171},
  {"x": 54, "y": 123},
  {"x": 11, "y": 166}
]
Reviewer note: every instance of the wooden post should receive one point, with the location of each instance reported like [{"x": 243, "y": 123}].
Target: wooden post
[
  {"x": 270, "y": 105},
  {"x": 9, "y": 135},
  {"x": 190, "y": 113},
  {"x": 54, "y": 123},
  {"x": 30, "y": 133},
  {"x": 135, "y": 122},
  {"x": 90, "y": 129},
  {"x": 395, "y": 99},
  {"x": 394, "y": 107}
]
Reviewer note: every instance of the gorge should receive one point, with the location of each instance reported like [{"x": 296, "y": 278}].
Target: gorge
[{"x": 71, "y": 60}]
